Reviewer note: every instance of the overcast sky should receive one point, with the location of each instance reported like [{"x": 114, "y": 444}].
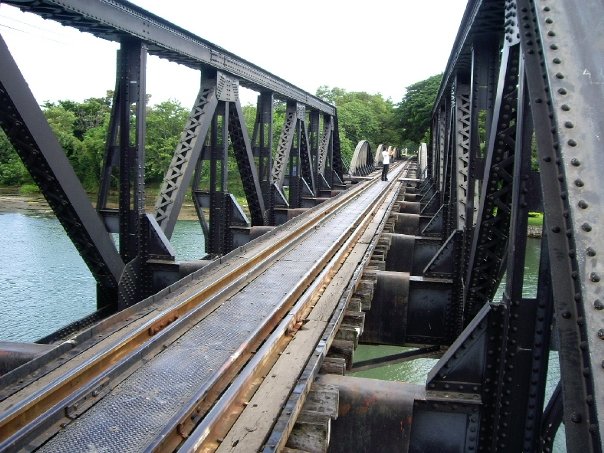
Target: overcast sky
[{"x": 377, "y": 46}]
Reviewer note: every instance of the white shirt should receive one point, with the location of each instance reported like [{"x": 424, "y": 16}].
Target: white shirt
[{"x": 385, "y": 157}]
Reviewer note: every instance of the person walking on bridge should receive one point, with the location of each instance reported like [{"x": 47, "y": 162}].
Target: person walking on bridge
[{"x": 386, "y": 164}]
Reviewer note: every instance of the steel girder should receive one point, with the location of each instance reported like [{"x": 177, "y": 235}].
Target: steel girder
[
  {"x": 262, "y": 145},
  {"x": 114, "y": 19},
  {"x": 132, "y": 74},
  {"x": 492, "y": 228},
  {"x": 27, "y": 129},
  {"x": 325, "y": 150},
  {"x": 562, "y": 45},
  {"x": 181, "y": 169},
  {"x": 292, "y": 159},
  {"x": 548, "y": 93}
]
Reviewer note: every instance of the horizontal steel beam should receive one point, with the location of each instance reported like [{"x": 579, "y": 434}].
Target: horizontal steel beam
[
  {"x": 113, "y": 19},
  {"x": 481, "y": 17}
]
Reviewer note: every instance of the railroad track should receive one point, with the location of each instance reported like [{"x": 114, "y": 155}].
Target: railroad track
[{"x": 165, "y": 367}]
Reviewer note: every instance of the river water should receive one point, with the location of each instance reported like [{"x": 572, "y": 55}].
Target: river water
[{"x": 45, "y": 285}]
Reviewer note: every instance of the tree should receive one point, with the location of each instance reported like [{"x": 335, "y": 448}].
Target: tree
[
  {"x": 165, "y": 122},
  {"x": 12, "y": 170},
  {"x": 361, "y": 116},
  {"x": 414, "y": 112}
]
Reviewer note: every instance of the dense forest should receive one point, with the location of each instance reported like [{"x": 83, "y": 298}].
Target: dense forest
[{"x": 81, "y": 128}]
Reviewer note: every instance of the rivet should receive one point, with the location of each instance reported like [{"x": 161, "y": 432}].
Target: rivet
[
  {"x": 564, "y": 107},
  {"x": 569, "y": 124},
  {"x": 590, "y": 251},
  {"x": 601, "y": 334},
  {"x": 549, "y": 21},
  {"x": 562, "y": 90},
  {"x": 551, "y": 33},
  {"x": 576, "y": 418},
  {"x": 566, "y": 314},
  {"x": 594, "y": 277},
  {"x": 583, "y": 204},
  {"x": 556, "y": 229},
  {"x": 571, "y": 142},
  {"x": 586, "y": 227},
  {"x": 553, "y": 47},
  {"x": 547, "y": 159},
  {"x": 578, "y": 183},
  {"x": 598, "y": 305},
  {"x": 557, "y": 61},
  {"x": 547, "y": 8}
]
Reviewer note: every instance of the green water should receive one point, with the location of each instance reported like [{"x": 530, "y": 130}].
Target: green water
[{"x": 44, "y": 283}]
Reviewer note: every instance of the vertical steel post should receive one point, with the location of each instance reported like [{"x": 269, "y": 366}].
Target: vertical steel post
[
  {"x": 132, "y": 105},
  {"x": 262, "y": 145}
]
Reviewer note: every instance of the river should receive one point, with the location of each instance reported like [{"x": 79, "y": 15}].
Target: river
[{"x": 44, "y": 285}]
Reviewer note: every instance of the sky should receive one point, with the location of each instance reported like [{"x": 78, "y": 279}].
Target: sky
[{"x": 377, "y": 46}]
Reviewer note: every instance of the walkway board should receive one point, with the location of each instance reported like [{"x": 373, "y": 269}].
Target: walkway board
[{"x": 134, "y": 413}]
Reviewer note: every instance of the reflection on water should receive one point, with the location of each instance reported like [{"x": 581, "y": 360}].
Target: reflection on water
[{"x": 44, "y": 284}]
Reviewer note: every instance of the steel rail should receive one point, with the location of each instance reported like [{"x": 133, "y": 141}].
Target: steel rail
[
  {"x": 114, "y": 19},
  {"x": 300, "y": 299},
  {"x": 285, "y": 419},
  {"x": 53, "y": 400}
]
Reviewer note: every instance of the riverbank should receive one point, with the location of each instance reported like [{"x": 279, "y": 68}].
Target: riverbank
[
  {"x": 35, "y": 204},
  {"x": 534, "y": 231}
]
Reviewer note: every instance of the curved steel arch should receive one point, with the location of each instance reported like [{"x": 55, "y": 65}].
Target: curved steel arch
[{"x": 361, "y": 163}]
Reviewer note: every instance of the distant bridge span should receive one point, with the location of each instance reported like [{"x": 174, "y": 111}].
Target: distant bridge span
[{"x": 249, "y": 349}]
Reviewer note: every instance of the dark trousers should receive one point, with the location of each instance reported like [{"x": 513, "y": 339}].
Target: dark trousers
[{"x": 385, "y": 172}]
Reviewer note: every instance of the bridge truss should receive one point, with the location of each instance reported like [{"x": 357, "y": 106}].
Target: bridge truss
[
  {"x": 307, "y": 161},
  {"x": 517, "y": 127}
]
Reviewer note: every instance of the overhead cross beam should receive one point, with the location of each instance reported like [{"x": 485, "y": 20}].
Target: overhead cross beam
[{"x": 114, "y": 19}]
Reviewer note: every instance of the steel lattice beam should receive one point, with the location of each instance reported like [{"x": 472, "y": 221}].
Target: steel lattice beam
[{"x": 113, "y": 19}]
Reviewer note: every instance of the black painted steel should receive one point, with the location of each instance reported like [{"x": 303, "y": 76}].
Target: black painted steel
[
  {"x": 502, "y": 355},
  {"x": 29, "y": 132},
  {"x": 186, "y": 156},
  {"x": 567, "y": 93},
  {"x": 492, "y": 227},
  {"x": 112, "y": 19}
]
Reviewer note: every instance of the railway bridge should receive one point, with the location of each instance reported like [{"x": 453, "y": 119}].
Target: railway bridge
[{"x": 250, "y": 348}]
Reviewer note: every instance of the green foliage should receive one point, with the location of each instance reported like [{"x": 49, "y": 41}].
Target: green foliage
[
  {"x": 362, "y": 116},
  {"x": 81, "y": 129},
  {"x": 28, "y": 189},
  {"x": 535, "y": 218},
  {"x": 414, "y": 112},
  {"x": 12, "y": 170},
  {"x": 165, "y": 122}
]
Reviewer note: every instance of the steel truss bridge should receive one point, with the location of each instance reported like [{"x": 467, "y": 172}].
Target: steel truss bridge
[{"x": 248, "y": 349}]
